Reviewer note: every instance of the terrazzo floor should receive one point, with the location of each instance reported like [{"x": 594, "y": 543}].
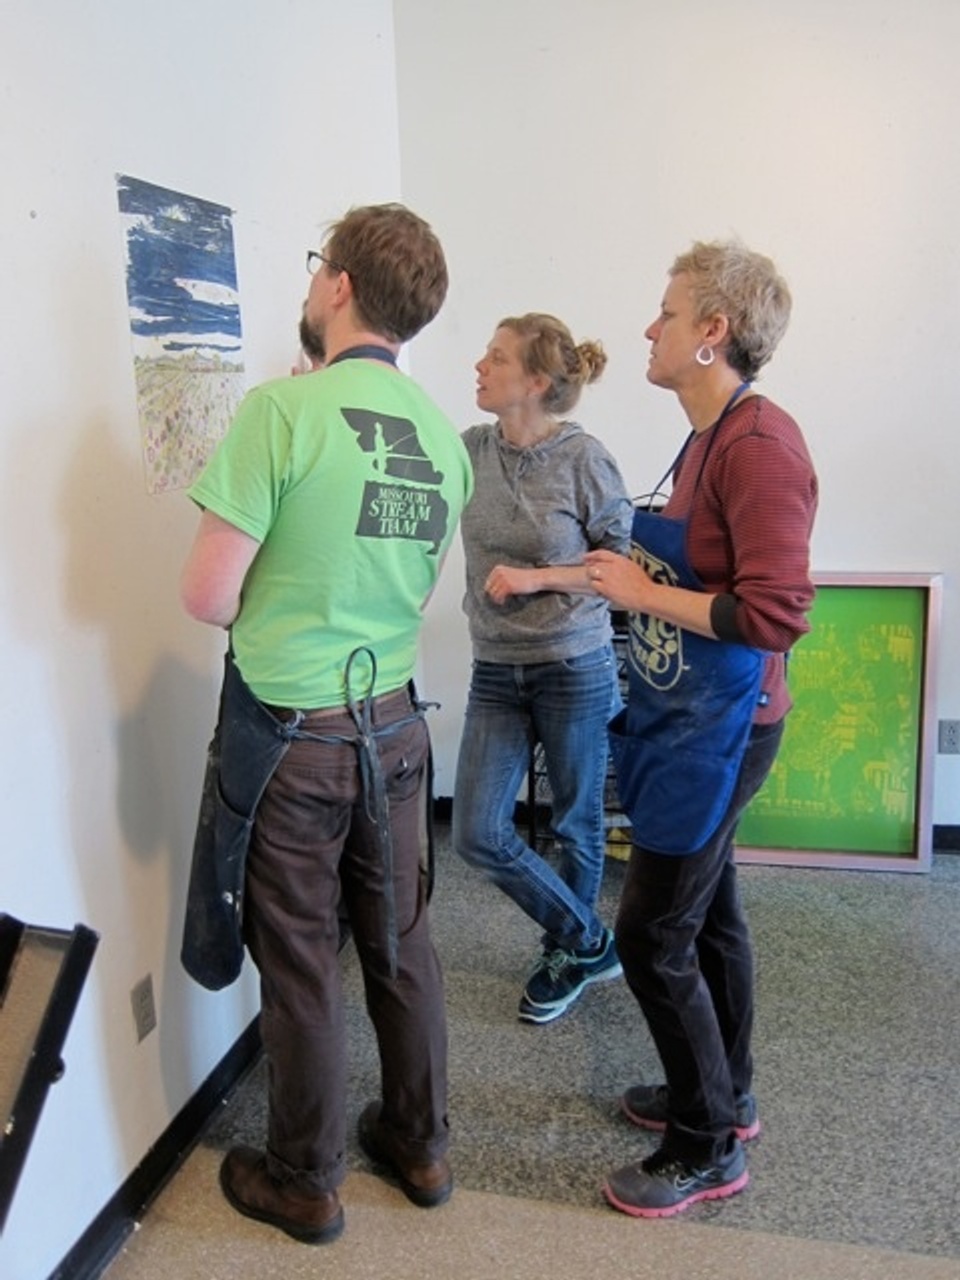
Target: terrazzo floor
[{"x": 858, "y": 1082}]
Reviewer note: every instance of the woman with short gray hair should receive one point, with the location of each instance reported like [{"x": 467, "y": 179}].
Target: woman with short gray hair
[{"x": 718, "y": 587}]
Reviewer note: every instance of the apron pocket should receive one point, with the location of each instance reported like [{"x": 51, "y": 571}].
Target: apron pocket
[
  {"x": 674, "y": 798},
  {"x": 212, "y": 951}
]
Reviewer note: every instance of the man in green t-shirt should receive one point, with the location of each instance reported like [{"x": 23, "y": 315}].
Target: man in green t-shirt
[{"x": 326, "y": 514}]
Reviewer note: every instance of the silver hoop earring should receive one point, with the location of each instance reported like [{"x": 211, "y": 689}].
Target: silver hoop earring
[{"x": 705, "y": 356}]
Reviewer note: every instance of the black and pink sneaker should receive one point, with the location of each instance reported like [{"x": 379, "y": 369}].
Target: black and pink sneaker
[
  {"x": 646, "y": 1106},
  {"x": 663, "y": 1185}
]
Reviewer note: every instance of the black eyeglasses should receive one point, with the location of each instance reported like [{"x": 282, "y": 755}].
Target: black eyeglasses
[{"x": 316, "y": 259}]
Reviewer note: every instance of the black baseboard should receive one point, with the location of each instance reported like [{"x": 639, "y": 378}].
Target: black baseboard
[{"x": 104, "y": 1238}]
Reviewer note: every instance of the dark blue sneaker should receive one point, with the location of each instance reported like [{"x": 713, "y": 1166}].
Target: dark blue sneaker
[
  {"x": 662, "y": 1185},
  {"x": 646, "y": 1105},
  {"x": 560, "y": 977}
]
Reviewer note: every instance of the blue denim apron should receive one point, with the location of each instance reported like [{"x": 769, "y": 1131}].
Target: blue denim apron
[
  {"x": 678, "y": 743},
  {"x": 248, "y": 743}
]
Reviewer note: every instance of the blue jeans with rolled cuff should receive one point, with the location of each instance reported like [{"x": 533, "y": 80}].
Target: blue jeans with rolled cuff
[{"x": 565, "y": 706}]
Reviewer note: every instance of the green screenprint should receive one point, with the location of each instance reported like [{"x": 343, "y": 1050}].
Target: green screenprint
[{"x": 848, "y": 770}]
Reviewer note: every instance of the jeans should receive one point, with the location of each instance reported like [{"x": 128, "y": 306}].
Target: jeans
[
  {"x": 566, "y": 707},
  {"x": 313, "y": 842},
  {"x": 684, "y": 943}
]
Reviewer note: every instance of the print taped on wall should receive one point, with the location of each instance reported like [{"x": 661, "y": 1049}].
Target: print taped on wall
[{"x": 184, "y": 326}]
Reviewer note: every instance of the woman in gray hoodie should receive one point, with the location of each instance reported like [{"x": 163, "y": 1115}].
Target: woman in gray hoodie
[{"x": 545, "y": 494}]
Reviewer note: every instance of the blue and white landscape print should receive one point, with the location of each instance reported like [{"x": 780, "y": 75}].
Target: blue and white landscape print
[{"x": 184, "y": 324}]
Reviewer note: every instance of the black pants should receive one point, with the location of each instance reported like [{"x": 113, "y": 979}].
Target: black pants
[{"x": 685, "y": 947}]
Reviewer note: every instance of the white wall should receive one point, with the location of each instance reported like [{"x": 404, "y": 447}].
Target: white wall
[
  {"x": 286, "y": 112},
  {"x": 567, "y": 152}
]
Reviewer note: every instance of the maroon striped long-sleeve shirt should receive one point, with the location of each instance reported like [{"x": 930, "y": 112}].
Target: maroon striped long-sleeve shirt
[{"x": 751, "y": 514}]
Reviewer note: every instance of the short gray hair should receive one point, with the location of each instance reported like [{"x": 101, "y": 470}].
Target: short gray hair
[{"x": 727, "y": 278}]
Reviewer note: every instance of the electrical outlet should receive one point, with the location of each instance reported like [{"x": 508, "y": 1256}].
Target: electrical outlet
[
  {"x": 948, "y": 739},
  {"x": 144, "y": 1009}
]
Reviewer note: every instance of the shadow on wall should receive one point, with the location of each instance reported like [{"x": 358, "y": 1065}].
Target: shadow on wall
[
  {"x": 125, "y": 549},
  {"x": 93, "y": 598}
]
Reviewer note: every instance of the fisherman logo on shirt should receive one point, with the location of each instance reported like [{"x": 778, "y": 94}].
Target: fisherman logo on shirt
[{"x": 402, "y": 498}]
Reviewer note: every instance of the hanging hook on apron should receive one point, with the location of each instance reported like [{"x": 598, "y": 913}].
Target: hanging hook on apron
[{"x": 376, "y": 803}]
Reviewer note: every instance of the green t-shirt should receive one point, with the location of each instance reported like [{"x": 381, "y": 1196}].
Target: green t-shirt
[{"x": 353, "y": 482}]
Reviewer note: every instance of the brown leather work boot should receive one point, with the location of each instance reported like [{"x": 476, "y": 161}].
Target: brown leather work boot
[
  {"x": 427, "y": 1185},
  {"x": 315, "y": 1217}
]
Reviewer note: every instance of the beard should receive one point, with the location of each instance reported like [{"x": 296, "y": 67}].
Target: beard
[{"x": 312, "y": 343}]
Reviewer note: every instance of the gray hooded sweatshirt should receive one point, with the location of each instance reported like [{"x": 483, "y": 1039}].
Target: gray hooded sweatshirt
[{"x": 544, "y": 505}]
